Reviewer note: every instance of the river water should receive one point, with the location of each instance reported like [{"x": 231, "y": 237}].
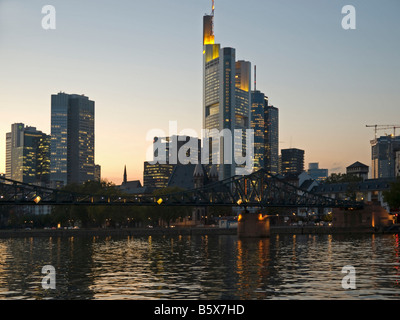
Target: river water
[{"x": 201, "y": 267}]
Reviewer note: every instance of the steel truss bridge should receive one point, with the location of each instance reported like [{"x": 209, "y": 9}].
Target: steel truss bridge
[{"x": 259, "y": 189}]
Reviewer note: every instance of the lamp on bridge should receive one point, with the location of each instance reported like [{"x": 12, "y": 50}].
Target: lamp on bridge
[{"x": 37, "y": 199}]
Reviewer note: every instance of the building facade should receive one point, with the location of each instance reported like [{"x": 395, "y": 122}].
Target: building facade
[
  {"x": 169, "y": 153},
  {"x": 317, "y": 173},
  {"x": 383, "y": 156},
  {"x": 265, "y": 123},
  {"x": 72, "y": 139},
  {"x": 292, "y": 161},
  {"x": 358, "y": 169},
  {"x": 226, "y": 100},
  {"x": 156, "y": 175},
  {"x": 27, "y": 155}
]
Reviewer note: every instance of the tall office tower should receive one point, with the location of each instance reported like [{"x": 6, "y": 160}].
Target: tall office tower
[
  {"x": 258, "y": 103},
  {"x": 242, "y": 104},
  {"x": 383, "y": 152},
  {"x": 27, "y": 155},
  {"x": 265, "y": 123},
  {"x": 226, "y": 99},
  {"x": 272, "y": 140},
  {"x": 8, "y": 155},
  {"x": 292, "y": 161},
  {"x": 72, "y": 139}
]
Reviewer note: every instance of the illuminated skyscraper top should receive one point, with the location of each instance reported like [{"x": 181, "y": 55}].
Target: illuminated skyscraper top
[{"x": 208, "y": 27}]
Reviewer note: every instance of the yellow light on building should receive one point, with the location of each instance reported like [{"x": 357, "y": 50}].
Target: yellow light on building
[
  {"x": 240, "y": 217},
  {"x": 239, "y": 202},
  {"x": 37, "y": 199},
  {"x": 159, "y": 201}
]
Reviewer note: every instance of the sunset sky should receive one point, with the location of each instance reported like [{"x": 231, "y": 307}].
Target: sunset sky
[{"x": 141, "y": 62}]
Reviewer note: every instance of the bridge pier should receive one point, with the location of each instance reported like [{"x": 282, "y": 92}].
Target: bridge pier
[{"x": 253, "y": 225}]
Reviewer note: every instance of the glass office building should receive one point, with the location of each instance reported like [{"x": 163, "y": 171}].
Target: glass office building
[
  {"x": 265, "y": 123},
  {"x": 27, "y": 155},
  {"x": 72, "y": 139},
  {"x": 226, "y": 100},
  {"x": 383, "y": 156},
  {"x": 292, "y": 161}
]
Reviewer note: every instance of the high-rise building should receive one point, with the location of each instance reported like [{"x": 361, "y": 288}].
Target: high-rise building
[
  {"x": 316, "y": 172},
  {"x": 168, "y": 153},
  {"x": 27, "y": 155},
  {"x": 226, "y": 99},
  {"x": 383, "y": 154},
  {"x": 292, "y": 161},
  {"x": 272, "y": 140},
  {"x": 265, "y": 123},
  {"x": 8, "y": 155},
  {"x": 157, "y": 175},
  {"x": 72, "y": 139}
]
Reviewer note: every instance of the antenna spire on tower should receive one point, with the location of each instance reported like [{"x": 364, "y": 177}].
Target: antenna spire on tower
[
  {"x": 255, "y": 77},
  {"x": 213, "y": 7}
]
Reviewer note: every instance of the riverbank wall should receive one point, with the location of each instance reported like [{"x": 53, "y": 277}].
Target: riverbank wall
[
  {"x": 140, "y": 232},
  {"x": 101, "y": 232}
]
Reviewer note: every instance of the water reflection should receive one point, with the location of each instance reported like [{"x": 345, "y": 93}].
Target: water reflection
[{"x": 201, "y": 267}]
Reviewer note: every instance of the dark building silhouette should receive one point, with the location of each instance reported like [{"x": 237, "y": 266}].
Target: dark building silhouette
[
  {"x": 358, "y": 169},
  {"x": 134, "y": 186},
  {"x": 292, "y": 161}
]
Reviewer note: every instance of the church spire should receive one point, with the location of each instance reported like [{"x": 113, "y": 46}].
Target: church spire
[{"x": 125, "y": 176}]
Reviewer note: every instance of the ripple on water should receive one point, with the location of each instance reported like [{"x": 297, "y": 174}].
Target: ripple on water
[{"x": 196, "y": 267}]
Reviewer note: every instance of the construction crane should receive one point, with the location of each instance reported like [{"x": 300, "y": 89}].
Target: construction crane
[{"x": 384, "y": 127}]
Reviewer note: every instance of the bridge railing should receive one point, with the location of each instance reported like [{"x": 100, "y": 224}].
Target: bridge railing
[{"x": 259, "y": 189}]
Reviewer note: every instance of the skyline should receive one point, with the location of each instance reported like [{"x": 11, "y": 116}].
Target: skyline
[{"x": 135, "y": 58}]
